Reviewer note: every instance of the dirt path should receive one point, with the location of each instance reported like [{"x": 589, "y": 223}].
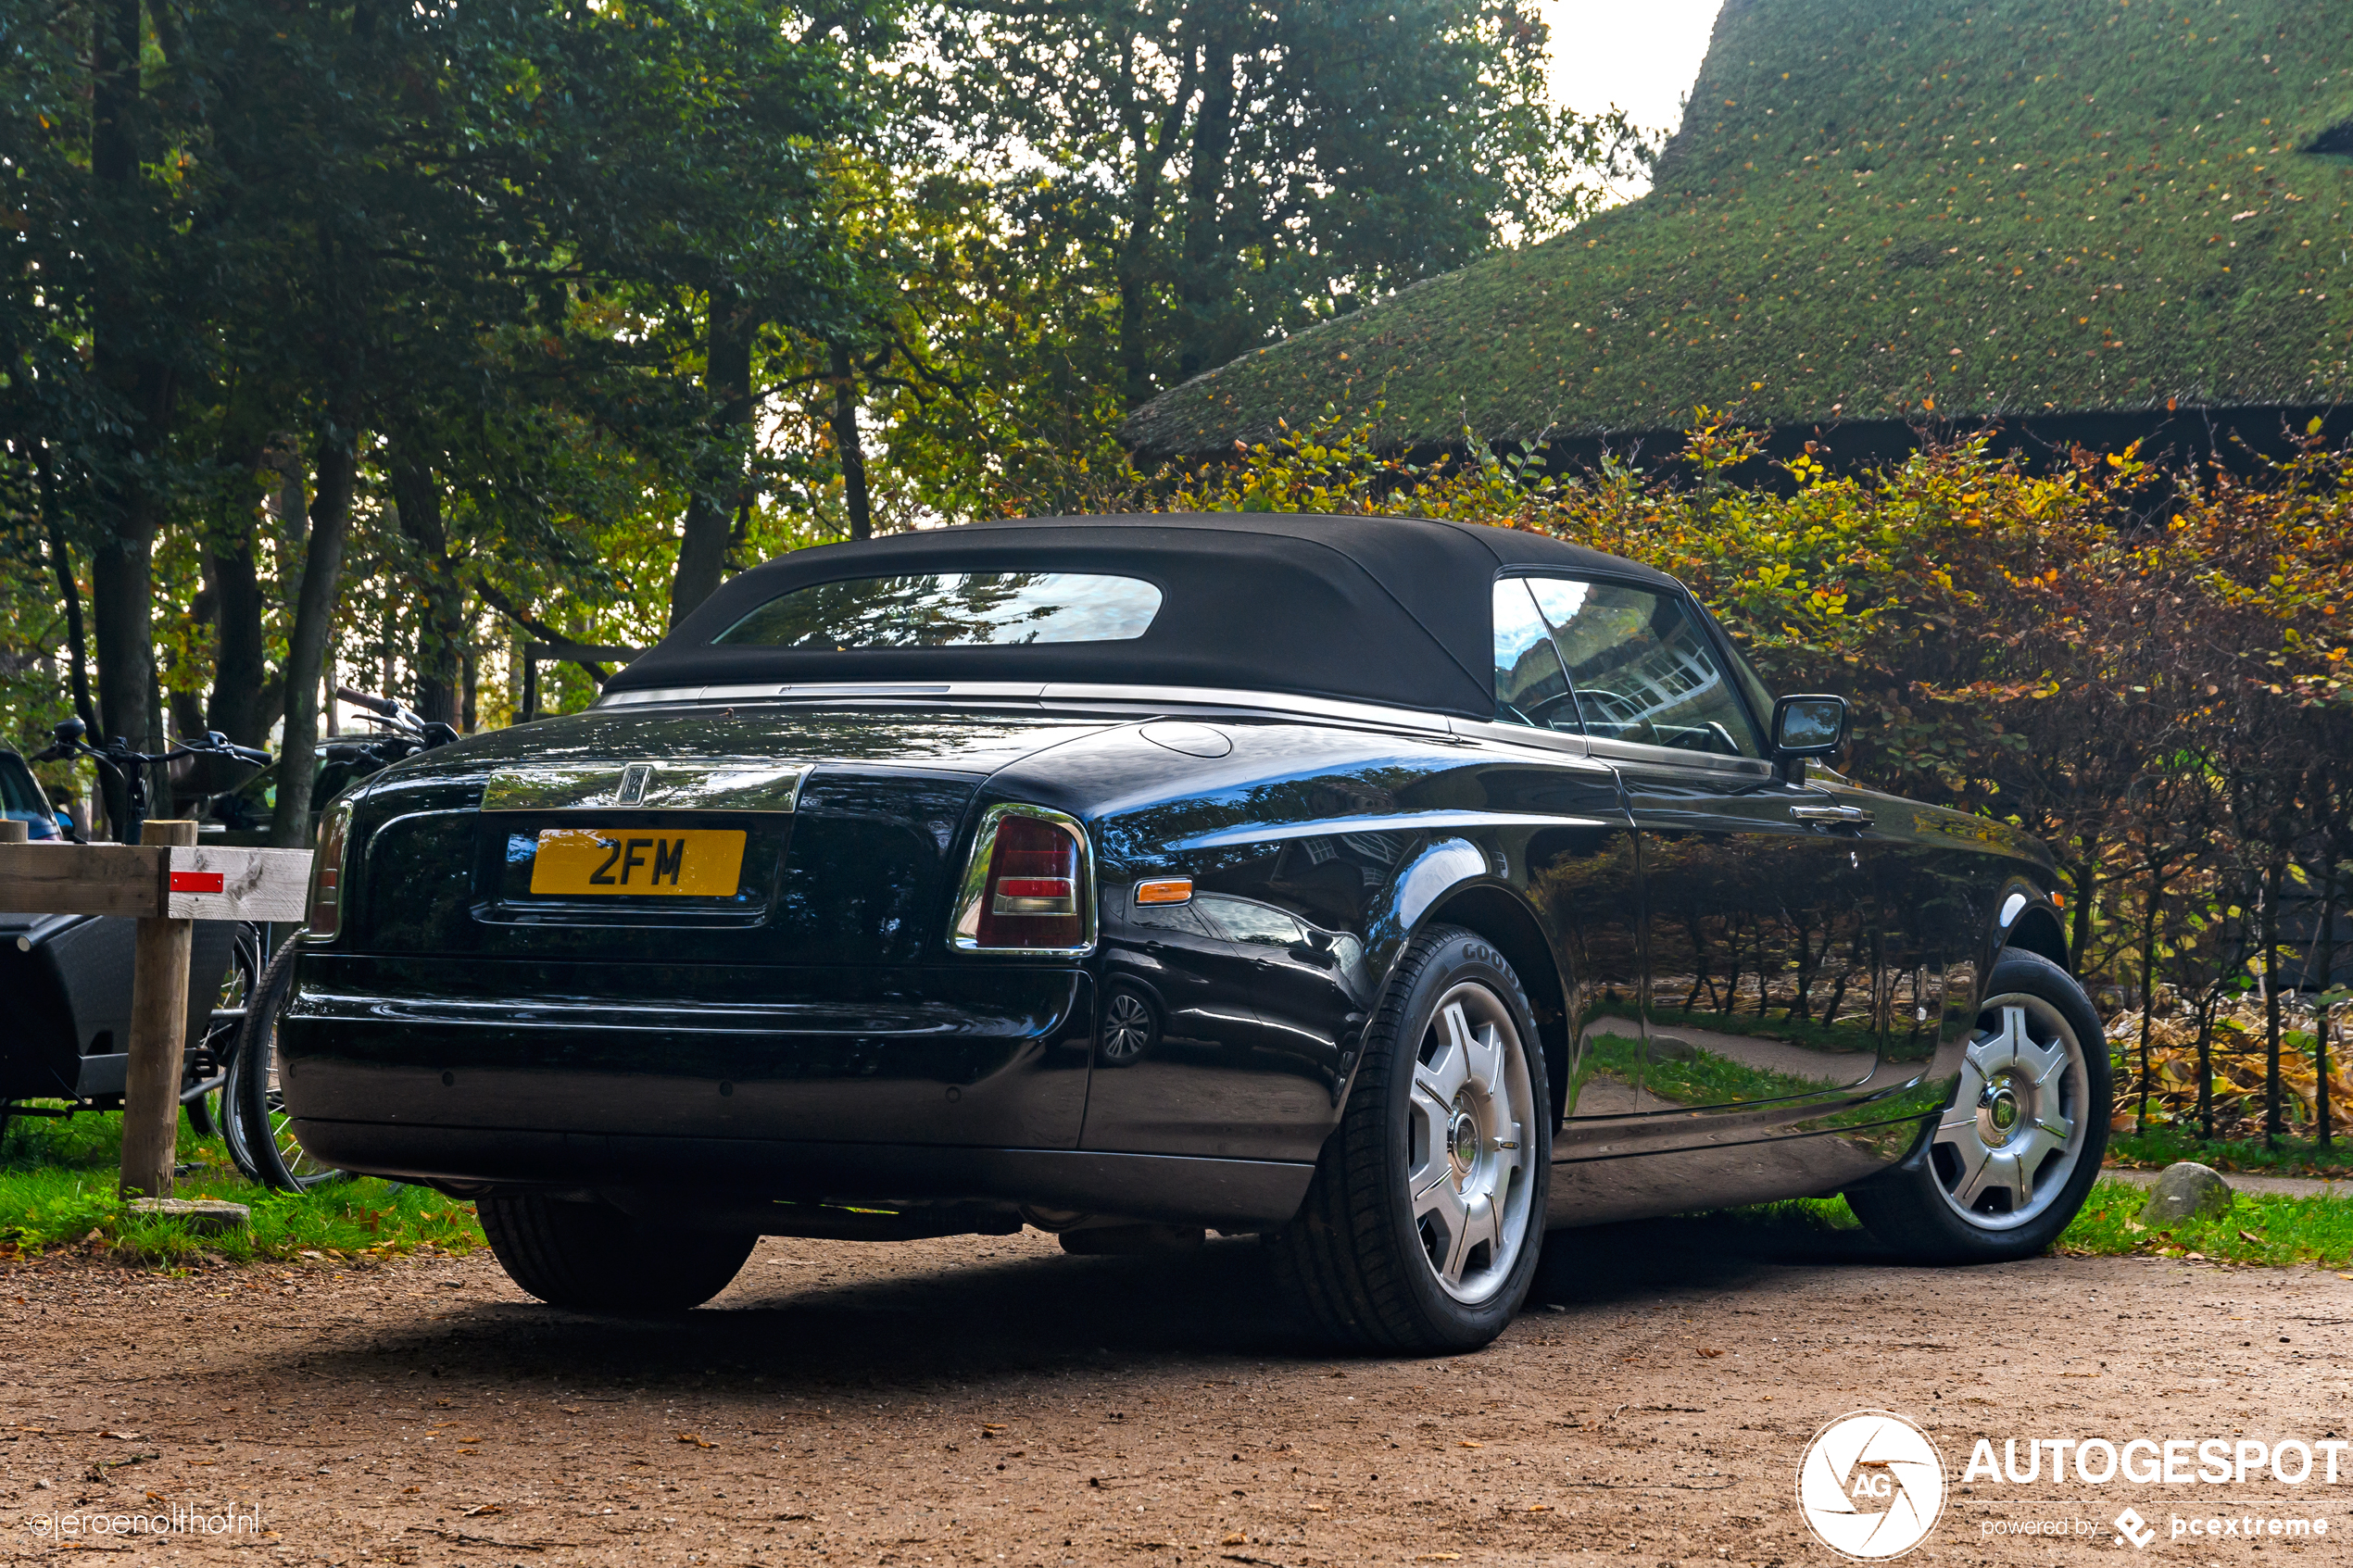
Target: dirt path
[{"x": 995, "y": 1401}]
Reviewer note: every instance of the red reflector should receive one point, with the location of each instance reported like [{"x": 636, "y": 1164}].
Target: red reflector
[
  {"x": 196, "y": 881},
  {"x": 1034, "y": 886}
]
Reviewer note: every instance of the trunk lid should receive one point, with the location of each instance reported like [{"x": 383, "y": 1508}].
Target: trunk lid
[{"x": 539, "y": 841}]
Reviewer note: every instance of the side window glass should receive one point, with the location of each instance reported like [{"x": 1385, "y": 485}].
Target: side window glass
[
  {"x": 1643, "y": 669},
  {"x": 1530, "y": 687}
]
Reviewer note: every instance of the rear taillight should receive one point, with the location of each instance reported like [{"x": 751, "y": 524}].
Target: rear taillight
[
  {"x": 1027, "y": 889},
  {"x": 325, "y": 918}
]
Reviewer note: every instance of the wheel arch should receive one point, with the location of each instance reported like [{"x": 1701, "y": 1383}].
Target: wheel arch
[
  {"x": 1503, "y": 919},
  {"x": 2036, "y": 931}
]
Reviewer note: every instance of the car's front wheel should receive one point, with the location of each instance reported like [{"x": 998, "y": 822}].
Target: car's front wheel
[
  {"x": 1421, "y": 1228},
  {"x": 2014, "y": 1154},
  {"x": 595, "y": 1259}
]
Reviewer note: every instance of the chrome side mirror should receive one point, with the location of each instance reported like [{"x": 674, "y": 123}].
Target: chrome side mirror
[{"x": 1809, "y": 725}]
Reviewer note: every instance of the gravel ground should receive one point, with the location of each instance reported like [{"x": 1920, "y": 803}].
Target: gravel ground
[{"x": 992, "y": 1400}]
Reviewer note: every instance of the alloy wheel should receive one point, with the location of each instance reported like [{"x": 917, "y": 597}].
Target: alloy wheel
[
  {"x": 1467, "y": 1154},
  {"x": 2015, "y": 1128}
]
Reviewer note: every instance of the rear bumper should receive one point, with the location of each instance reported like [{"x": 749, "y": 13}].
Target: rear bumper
[
  {"x": 1232, "y": 1194},
  {"x": 946, "y": 1083}
]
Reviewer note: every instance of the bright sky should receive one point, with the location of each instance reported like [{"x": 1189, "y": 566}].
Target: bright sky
[{"x": 1640, "y": 55}]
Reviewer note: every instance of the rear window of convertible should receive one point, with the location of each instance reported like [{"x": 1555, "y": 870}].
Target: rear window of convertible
[{"x": 946, "y": 609}]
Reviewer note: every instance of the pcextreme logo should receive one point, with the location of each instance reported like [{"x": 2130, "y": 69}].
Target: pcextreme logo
[{"x": 1872, "y": 1486}]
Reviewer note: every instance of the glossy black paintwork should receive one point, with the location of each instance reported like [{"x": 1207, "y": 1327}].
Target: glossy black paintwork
[
  {"x": 823, "y": 1010},
  {"x": 932, "y": 1054}
]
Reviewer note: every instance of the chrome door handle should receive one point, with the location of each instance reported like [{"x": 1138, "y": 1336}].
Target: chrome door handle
[{"x": 1849, "y": 816}]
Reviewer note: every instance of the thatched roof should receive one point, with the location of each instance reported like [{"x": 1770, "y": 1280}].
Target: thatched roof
[{"x": 1882, "y": 209}]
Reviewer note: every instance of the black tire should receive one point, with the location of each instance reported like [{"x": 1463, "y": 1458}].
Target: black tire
[
  {"x": 258, "y": 1132},
  {"x": 593, "y": 1258},
  {"x": 1358, "y": 1262},
  {"x": 1923, "y": 1211}
]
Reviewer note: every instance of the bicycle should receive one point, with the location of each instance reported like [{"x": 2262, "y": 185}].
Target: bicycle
[
  {"x": 259, "y": 1131},
  {"x": 206, "y": 1066}
]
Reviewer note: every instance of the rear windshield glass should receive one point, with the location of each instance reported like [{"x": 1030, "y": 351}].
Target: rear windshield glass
[{"x": 943, "y": 610}]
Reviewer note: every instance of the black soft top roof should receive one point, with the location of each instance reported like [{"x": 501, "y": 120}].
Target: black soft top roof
[{"x": 1393, "y": 610}]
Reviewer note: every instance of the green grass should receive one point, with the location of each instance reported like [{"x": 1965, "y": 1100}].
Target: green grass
[
  {"x": 2261, "y": 1229},
  {"x": 2100, "y": 206},
  {"x": 2258, "y": 1228},
  {"x": 57, "y": 1193},
  {"x": 2294, "y": 1157}
]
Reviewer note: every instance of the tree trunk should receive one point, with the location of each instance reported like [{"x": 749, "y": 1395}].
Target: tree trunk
[
  {"x": 2086, "y": 875},
  {"x": 1135, "y": 296},
  {"x": 1201, "y": 288},
  {"x": 711, "y": 508},
  {"x": 240, "y": 665},
  {"x": 441, "y": 631},
  {"x": 61, "y": 562},
  {"x": 315, "y": 600},
  {"x": 1154, "y": 145},
  {"x": 121, "y": 567},
  {"x": 471, "y": 682},
  {"x": 2206, "y": 1066},
  {"x": 848, "y": 444}
]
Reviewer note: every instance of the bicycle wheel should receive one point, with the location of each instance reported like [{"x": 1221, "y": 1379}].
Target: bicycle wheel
[
  {"x": 261, "y": 1137},
  {"x": 204, "y": 1088}
]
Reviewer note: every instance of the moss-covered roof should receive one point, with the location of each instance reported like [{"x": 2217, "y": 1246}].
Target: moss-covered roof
[{"x": 1880, "y": 208}]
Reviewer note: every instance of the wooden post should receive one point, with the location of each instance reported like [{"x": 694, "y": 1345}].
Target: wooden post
[{"x": 158, "y": 1023}]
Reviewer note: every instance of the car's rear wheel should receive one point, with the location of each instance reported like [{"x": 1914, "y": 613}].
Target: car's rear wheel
[
  {"x": 593, "y": 1258},
  {"x": 1421, "y": 1228},
  {"x": 2014, "y": 1154}
]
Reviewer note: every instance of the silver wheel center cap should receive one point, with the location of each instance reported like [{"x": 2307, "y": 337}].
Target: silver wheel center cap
[
  {"x": 1461, "y": 1143},
  {"x": 1997, "y": 1113}
]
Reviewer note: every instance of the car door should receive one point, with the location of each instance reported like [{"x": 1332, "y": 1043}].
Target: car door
[
  {"x": 1757, "y": 947},
  {"x": 1585, "y": 879}
]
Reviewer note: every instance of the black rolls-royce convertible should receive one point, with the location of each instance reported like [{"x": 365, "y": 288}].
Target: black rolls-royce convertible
[{"x": 1394, "y": 890}]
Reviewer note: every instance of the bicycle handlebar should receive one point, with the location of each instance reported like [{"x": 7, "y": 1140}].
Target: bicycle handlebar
[
  {"x": 117, "y": 753},
  {"x": 384, "y": 707}
]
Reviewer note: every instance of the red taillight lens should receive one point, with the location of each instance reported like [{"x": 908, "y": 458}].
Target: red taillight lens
[
  {"x": 1031, "y": 900},
  {"x": 325, "y": 917},
  {"x": 1026, "y": 888}
]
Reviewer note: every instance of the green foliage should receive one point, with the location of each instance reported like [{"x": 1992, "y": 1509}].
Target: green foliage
[
  {"x": 1151, "y": 189},
  {"x": 57, "y": 1193},
  {"x": 2267, "y": 1230},
  {"x": 2257, "y": 1228},
  {"x": 1879, "y": 210},
  {"x": 2163, "y": 1146}
]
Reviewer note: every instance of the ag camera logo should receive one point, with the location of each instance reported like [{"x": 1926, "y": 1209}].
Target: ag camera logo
[{"x": 1872, "y": 1486}]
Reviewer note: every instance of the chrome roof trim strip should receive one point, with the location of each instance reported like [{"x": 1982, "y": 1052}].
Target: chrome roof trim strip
[
  {"x": 1403, "y": 821},
  {"x": 1158, "y": 700}
]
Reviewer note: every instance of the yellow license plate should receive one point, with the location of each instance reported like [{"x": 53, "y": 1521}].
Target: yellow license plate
[{"x": 674, "y": 862}]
